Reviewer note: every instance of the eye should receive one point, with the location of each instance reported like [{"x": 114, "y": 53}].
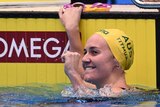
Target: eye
[{"x": 94, "y": 52}]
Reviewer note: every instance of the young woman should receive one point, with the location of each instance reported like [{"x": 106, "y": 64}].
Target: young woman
[{"x": 107, "y": 53}]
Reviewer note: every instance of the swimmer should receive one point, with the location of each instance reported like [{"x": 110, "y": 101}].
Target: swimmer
[{"x": 103, "y": 61}]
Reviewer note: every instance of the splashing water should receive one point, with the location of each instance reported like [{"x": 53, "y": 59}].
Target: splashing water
[{"x": 49, "y": 95}]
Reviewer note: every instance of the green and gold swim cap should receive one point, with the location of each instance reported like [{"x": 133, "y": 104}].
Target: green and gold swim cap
[{"x": 121, "y": 46}]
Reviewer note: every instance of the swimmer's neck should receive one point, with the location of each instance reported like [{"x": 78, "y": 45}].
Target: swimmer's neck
[{"x": 115, "y": 82}]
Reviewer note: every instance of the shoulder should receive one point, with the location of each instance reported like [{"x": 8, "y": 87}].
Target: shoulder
[
  {"x": 135, "y": 89},
  {"x": 108, "y": 91}
]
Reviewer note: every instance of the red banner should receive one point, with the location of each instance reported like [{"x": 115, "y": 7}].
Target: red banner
[{"x": 42, "y": 47}]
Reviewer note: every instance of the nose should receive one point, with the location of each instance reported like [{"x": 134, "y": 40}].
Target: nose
[{"x": 86, "y": 58}]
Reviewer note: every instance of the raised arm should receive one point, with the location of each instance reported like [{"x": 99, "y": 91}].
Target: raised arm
[
  {"x": 70, "y": 19},
  {"x": 81, "y": 88},
  {"x": 71, "y": 68}
]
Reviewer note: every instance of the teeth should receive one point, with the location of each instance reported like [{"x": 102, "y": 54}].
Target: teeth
[{"x": 89, "y": 68}]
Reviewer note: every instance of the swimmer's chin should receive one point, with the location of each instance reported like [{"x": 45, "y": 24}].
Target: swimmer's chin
[{"x": 87, "y": 79}]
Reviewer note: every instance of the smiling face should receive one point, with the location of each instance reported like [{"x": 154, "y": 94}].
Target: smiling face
[{"x": 98, "y": 61}]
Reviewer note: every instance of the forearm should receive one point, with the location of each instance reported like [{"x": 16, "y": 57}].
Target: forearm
[
  {"x": 76, "y": 80},
  {"x": 75, "y": 43},
  {"x": 75, "y": 40},
  {"x": 79, "y": 88},
  {"x": 70, "y": 19}
]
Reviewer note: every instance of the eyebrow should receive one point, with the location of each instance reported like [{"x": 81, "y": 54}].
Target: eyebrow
[{"x": 91, "y": 48}]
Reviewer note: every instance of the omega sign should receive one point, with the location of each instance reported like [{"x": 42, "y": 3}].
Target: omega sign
[{"x": 45, "y": 47}]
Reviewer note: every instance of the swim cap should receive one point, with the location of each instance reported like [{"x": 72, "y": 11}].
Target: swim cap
[{"x": 121, "y": 46}]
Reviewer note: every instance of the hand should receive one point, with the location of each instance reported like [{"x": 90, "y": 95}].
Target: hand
[
  {"x": 70, "y": 17},
  {"x": 72, "y": 60},
  {"x": 71, "y": 68}
]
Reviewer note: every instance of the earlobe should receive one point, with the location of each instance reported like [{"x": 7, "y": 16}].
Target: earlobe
[{"x": 117, "y": 65}]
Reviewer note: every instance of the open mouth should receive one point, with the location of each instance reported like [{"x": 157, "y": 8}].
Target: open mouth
[{"x": 89, "y": 67}]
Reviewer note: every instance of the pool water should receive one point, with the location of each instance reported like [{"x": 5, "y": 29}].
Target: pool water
[{"x": 50, "y": 95}]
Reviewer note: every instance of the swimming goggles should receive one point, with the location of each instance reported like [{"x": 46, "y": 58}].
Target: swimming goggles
[{"x": 96, "y": 7}]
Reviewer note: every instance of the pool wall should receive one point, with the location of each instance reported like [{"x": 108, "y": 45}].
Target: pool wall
[{"x": 141, "y": 27}]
